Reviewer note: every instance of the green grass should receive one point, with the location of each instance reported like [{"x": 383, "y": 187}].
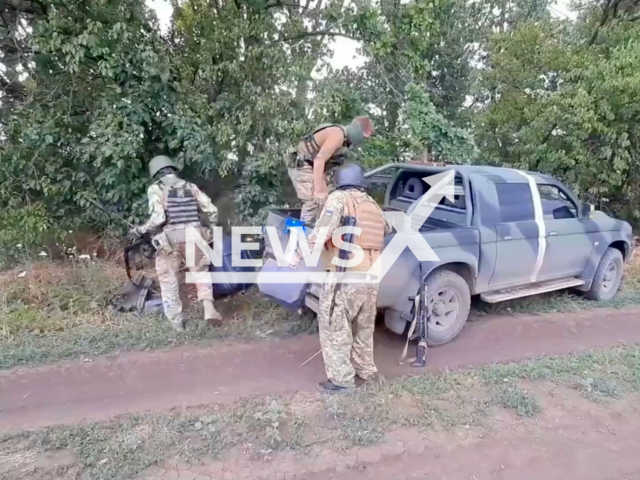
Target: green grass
[
  {"x": 132, "y": 332},
  {"x": 120, "y": 449},
  {"x": 60, "y": 311}
]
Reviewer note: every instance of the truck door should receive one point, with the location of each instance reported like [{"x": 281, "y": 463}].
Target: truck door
[
  {"x": 517, "y": 254},
  {"x": 568, "y": 245}
]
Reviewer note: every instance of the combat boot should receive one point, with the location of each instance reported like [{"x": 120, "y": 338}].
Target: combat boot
[
  {"x": 330, "y": 387},
  {"x": 179, "y": 323},
  {"x": 211, "y": 315}
]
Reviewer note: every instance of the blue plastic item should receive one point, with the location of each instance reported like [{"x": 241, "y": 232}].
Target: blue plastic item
[
  {"x": 292, "y": 223},
  {"x": 225, "y": 289},
  {"x": 290, "y": 295}
]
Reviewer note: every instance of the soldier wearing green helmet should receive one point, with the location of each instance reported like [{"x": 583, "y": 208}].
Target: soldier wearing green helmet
[
  {"x": 317, "y": 154},
  {"x": 174, "y": 206}
]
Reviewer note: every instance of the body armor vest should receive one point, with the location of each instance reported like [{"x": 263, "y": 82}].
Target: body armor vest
[
  {"x": 311, "y": 147},
  {"x": 370, "y": 219},
  {"x": 180, "y": 205}
]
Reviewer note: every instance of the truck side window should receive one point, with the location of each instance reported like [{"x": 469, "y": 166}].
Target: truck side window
[
  {"x": 555, "y": 204},
  {"x": 377, "y": 190},
  {"x": 515, "y": 202}
]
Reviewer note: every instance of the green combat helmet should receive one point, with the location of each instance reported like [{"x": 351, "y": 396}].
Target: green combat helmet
[
  {"x": 158, "y": 163},
  {"x": 355, "y": 132}
]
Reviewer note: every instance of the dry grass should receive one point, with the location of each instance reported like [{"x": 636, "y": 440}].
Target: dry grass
[
  {"x": 49, "y": 297},
  {"x": 52, "y": 311}
]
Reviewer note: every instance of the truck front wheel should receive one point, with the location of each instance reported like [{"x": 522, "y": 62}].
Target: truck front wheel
[
  {"x": 450, "y": 303},
  {"x": 608, "y": 276}
]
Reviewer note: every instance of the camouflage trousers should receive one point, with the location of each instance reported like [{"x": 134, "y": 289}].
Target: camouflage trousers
[
  {"x": 302, "y": 178},
  {"x": 170, "y": 267},
  {"x": 347, "y": 337}
]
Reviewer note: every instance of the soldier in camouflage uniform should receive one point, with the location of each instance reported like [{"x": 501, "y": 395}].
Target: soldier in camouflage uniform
[
  {"x": 346, "y": 334},
  {"x": 175, "y": 205},
  {"x": 319, "y": 152}
]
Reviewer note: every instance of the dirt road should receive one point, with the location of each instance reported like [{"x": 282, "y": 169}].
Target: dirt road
[{"x": 185, "y": 377}]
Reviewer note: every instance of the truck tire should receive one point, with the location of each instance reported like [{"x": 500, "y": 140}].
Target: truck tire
[
  {"x": 608, "y": 276},
  {"x": 450, "y": 304}
]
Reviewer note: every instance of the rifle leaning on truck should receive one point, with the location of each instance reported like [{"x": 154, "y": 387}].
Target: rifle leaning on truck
[{"x": 421, "y": 318}]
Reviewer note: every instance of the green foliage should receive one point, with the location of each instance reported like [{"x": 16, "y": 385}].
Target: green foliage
[
  {"x": 93, "y": 89},
  {"x": 22, "y": 228},
  {"x": 564, "y": 99}
]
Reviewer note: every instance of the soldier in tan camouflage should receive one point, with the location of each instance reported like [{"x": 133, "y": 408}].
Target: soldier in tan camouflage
[
  {"x": 346, "y": 335},
  {"x": 175, "y": 205},
  {"x": 319, "y": 152}
]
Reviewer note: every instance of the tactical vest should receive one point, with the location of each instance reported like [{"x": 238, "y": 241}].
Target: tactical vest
[
  {"x": 180, "y": 205},
  {"x": 312, "y": 148},
  {"x": 370, "y": 219}
]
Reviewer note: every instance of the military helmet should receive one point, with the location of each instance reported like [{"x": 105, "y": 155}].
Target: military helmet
[
  {"x": 350, "y": 175},
  {"x": 355, "y": 131},
  {"x": 158, "y": 163}
]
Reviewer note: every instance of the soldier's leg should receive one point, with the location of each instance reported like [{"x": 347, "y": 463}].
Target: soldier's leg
[
  {"x": 302, "y": 179},
  {"x": 167, "y": 267},
  {"x": 204, "y": 288},
  {"x": 363, "y": 329},
  {"x": 310, "y": 211},
  {"x": 336, "y": 336}
]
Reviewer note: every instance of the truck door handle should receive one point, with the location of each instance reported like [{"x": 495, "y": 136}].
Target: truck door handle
[{"x": 552, "y": 233}]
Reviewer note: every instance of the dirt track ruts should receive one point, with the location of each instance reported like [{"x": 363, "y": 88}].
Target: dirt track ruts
[{"x": 186, "y": 377}]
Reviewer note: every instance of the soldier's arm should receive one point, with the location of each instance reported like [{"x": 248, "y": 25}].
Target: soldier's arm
[
  {"x": 330, "y": 219},
  {"x": 157, "y": 215},
  {"x": 206, "y": 205},
  {"x": 332, "y": 143}
]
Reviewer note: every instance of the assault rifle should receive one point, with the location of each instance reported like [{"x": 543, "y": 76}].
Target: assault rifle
[
  {"x": 423, "y": 316},
  {"x": 347, "y": 221},
  {"x": 138, "y": 246}
]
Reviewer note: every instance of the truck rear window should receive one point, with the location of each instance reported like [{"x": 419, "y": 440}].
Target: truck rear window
[
  {"x": 410, "y": 187},
  {"x": 515, "y": 202}
]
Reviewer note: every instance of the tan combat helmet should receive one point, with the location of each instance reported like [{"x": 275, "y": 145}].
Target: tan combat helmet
[{"x": 159, "y": 162}]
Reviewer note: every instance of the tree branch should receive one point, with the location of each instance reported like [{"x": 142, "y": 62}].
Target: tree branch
[
  {"x": 606, "y": 10},
  {"x": 282, "y": 4},
  {"x": 319, "y": 33}
]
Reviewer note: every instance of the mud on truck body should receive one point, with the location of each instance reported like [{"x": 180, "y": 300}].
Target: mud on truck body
[{"x": 506, "y": 234}]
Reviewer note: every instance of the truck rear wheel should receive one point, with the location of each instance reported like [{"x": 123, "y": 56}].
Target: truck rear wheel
[
  {"x": 450, "y": 303},
  {"x": 608, "y": 276}
]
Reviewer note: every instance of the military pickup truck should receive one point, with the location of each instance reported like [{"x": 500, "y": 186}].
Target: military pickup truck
[{"x": 503, "y": 234}]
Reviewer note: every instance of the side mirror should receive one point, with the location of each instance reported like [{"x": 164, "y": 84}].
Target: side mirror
[
  {"x": 586, "y": 210},
  {"x": 563, "y": 212}
]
